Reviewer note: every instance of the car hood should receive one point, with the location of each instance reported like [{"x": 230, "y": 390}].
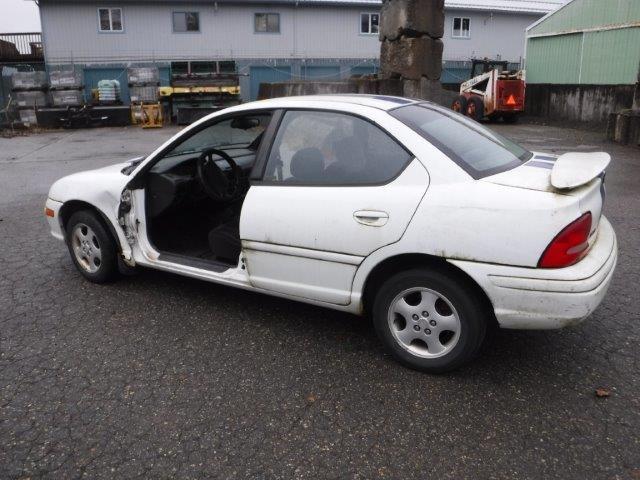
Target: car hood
[{"x": 110, "y": 180}]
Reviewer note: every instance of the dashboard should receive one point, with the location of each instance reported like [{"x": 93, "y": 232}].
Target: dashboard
[{"x": 173, "y": 181}]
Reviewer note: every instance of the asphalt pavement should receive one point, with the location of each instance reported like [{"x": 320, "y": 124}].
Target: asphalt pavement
[{"x": 158, "y": 376}]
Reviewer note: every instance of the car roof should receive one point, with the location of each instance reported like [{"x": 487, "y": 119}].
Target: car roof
[{"x": 382, "y": 102}]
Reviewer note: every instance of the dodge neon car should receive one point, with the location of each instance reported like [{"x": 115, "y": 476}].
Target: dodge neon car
[{"x": 432, "y": 224}]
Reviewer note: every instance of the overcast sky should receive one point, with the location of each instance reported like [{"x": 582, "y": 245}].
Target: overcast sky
[{"x": 19, "y": 16}]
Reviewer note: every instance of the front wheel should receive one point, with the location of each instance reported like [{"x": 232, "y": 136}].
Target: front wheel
[
  {"x": 459, "y": 104},
  {"x": 475, "y": 108},
  {"x": 429, "y": 320},
  {"x": 93, "y": 249}
]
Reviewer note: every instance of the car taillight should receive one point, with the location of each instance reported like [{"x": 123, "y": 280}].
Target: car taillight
[{"x": 569, "y": 246}]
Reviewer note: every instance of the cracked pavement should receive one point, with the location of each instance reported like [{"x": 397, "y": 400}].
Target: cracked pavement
[{"x": 159, "y": 376}]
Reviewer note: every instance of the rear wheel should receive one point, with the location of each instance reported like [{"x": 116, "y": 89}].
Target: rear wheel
[
  {"x": 475, "y": 108},
  {"x": 92, "y": 247},
  {"x": 429, "y": 320},
  {"x": 459, "y": 104}
]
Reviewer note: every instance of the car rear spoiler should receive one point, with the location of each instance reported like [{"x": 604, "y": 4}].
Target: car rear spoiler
[{"x": 574, "y": 169}]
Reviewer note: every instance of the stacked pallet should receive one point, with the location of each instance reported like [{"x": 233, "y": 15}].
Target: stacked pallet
[
  {"x": 66, "y": 88},
  {"x": 29, "y": 90},
  {"x": 143, "y": 84},
  {"x": 143, "y": 90}
]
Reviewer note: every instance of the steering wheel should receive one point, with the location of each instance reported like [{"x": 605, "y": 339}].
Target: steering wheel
[{"x": 217, "y": 184}]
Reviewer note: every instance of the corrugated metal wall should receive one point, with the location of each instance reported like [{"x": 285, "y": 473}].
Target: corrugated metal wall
[
  {"x": 587, "y": 42},
  {"x": 584, "y": 14},
  {"x": 227, "y": 31},
  {"x": 494, "y": 35},
  {"x": 609, "y": 57},
  {"x": 554, "y": 59}
]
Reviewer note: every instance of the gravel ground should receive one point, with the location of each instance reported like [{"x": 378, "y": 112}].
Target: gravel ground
[{"x": 158, "y": 376}]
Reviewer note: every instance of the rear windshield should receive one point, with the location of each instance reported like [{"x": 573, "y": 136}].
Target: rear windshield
[{"x": 478, "y": 150}]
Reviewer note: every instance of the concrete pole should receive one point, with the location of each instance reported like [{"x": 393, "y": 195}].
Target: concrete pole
[{"x": 411, "y": 48}]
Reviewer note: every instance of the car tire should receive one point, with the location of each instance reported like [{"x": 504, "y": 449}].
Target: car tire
[
  {"x": 92, "y": 248},
  {"x": 475, "y": 108},
  {"x": 440, "y": 326},
  {"x": 459, "y": 104}
]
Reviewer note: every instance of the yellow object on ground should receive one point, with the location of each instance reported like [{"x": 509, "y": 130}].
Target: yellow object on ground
[
  {"x": 168, "y": 91},
  {"x": 152, "y": 115}
]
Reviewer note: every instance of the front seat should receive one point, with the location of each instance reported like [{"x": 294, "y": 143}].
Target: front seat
[
  {"x": 307, "y": 165},
  {"x": 224, "y": 240},
  {"x": 350, "y": 160}
]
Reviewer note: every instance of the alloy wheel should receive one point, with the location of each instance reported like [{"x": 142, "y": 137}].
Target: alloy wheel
[
  {"x": 86, "y": 248},
  {"x": 424, "y": 322}
]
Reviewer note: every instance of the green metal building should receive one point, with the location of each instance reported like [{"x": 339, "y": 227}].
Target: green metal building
[
  {"x": 592, "y": 48},
  {"x": 589, "y": 42}
]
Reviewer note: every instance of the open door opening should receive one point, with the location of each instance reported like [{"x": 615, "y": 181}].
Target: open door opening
[{"x": 194, "y": 193}]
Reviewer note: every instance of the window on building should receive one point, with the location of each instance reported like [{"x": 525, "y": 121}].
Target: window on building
[
  {"x": 203, "y": 68},
  {"x": 227, "y": 66},
  {"x": 328, "y": 148},
  {"x": 186, "y": 22},
  {"x": 110, "y": 19},
  {"x": 267, "y": 22},
  {"x": 369, "y": 23},
  {"x": 461, "y": 27},
  {"x": 179, "y": 68}
]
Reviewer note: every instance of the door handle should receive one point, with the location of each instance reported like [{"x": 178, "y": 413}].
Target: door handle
[{"x": 372, "y": 218}]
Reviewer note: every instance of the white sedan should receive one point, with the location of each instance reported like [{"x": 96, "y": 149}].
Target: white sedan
[{"x": 431, "y": 223}]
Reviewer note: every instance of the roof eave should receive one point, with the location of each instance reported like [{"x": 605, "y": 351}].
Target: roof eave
[{"x": 340, "y": 3}]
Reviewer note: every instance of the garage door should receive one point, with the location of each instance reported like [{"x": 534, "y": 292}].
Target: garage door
[
  {"x": 321, "y": 72},
  {"x": 260, "y": 75},
  {"x": 363, "y": 70},
  {"x": 93, "y": 75},
  {"x": 165, "y": 76}
]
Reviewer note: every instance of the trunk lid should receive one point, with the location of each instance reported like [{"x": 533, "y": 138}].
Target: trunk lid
[{"x": 577, "y": 175}]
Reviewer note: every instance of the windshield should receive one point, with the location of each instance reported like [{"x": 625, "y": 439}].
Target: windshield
[
  {"x": 238, "y": 132},
  {"x": 478, "y": 150}
]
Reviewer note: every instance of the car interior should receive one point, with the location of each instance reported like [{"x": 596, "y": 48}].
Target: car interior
[
  {"x": 338, "y": 149},
  {"x": 194, "y": 193}
]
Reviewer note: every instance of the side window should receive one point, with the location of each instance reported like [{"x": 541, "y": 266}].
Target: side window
[
  {"x": 184, "y": 22},
  {"x": 239, "y": 137},
  {"x": 110, "y": 19},
  {"x": 328, "y": 148},
  {"x": 267, "y": 23},
  {"x": 369, "y": 23},
  {"x": 461, "y": 27}
]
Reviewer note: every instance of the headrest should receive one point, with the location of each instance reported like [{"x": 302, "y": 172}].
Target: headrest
[
  {"x": 307, "y": 165},
  {"x": 350, "y": 152}
]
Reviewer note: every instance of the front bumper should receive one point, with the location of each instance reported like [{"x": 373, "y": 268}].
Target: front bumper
[
  {"x": 54, "y": 222},
  {"x": 534, "y": 298}
]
